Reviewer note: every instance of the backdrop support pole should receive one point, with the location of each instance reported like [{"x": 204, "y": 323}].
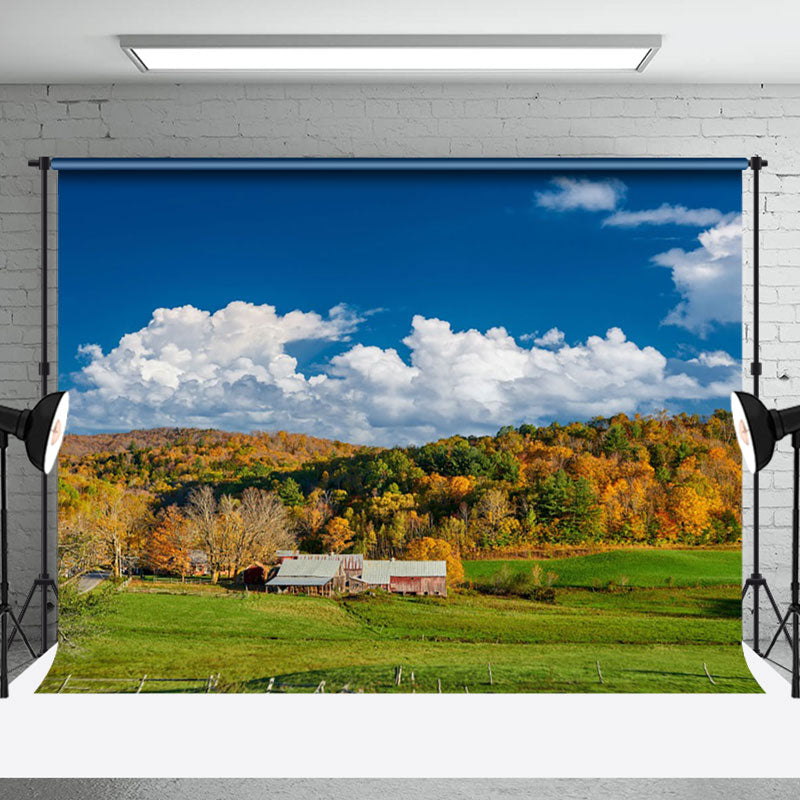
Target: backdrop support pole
[
  {"x": 44, "y": 582},
  {"x": 757, "y": 581}
]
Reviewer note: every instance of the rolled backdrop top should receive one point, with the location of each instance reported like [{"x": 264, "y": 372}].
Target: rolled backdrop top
[{"x": 392, "y": 164}]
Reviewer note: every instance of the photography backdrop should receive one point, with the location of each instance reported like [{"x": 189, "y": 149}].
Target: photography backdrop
[{"x": 396, "y": 304}]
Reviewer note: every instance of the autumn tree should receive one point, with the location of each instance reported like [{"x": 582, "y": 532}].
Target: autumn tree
[
  {"x": 266, "y": 526},
  {"x": 201, "y": 515},
  {"x": 169, "y": 543},
  {"x": 119, "y": 520},
  {"x": 337, "y": 536},
  {"x": 429, "y": 549}
]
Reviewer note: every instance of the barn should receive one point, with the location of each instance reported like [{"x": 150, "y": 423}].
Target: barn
[
  {"x": 255, "y": 574},
  {"x": 323, "y": 575},
  {"x": 352, "y": 563},
  {"x": 405, "y": 577}
]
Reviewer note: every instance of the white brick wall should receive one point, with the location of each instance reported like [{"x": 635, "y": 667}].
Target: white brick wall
[{"x": 402, "y": 121}]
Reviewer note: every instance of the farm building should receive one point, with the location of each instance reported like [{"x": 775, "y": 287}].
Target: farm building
[
  {"x": 404, "y": 577},
  {"x": 255, "y": 574},
  {"x": 352, "y": 563},
  {"x": 198, "y": 562},
  {"x": 282, "y": 555},
  {"x": 324, "y": 575}
]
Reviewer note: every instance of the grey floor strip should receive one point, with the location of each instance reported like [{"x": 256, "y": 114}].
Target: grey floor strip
[{"x": 397, "y": 789}]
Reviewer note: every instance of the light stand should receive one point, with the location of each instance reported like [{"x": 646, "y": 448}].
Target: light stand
[
  {"x": 757, "y": 432},
  {"x": 794, "y": 607},
  {"x": 6, "y": 613},
  {"x": 757, "y": 581},
  {"x": 44, "y": 582},
  {"x": 42, "y": 430}
]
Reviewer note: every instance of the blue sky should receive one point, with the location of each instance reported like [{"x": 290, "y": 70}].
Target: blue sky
[{"x": 654, "y": 255}]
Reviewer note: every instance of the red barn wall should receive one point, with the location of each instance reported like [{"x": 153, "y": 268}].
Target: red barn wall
[{"x": 419, "y": 585}]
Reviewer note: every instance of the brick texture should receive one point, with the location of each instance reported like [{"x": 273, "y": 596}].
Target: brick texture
[{"x": 397, "y": 120}]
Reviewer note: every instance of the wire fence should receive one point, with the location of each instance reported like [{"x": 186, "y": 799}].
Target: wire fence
[{"x": 402, "y": 680}]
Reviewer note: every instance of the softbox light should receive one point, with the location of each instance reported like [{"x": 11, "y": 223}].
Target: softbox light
[{"x": 41, "y": 428}]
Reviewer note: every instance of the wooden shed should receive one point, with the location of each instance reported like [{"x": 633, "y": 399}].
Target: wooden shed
[
  {"x": 255, "y": 574},
  {"x": 323, "y": 575},
  {"x": 405, "y": 577}
]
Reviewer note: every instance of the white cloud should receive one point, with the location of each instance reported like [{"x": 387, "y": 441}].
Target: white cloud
[
  {"x": 552, "y": 338},
  {"x": 231, "y": 370},
  {"x": 665, "y": 215},
  {"x": 573, "y": 194},
  {"x": 714, "y": 358},
  {"x": 708, "y": 278}
]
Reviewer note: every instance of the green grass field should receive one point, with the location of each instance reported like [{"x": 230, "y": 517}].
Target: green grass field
[
  {"x": 653, "y": 638},
  {"x": 639, "y": 568}
]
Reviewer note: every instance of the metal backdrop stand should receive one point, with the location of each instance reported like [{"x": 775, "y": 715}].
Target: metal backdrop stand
[
  {"x": 44, "y": 582},
  {"x": 756, "y": 580}
]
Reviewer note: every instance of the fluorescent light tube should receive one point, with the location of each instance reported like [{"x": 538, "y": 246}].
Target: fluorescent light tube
[{"x": 391, "y": 53}]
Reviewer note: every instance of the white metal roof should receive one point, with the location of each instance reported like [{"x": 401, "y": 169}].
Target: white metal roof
[
  {"x": 375, "y": 572},
  {"x": 350, "y": 560},
  {"x": 380, "y": 572},
  {"x": 325, "y": 567}
]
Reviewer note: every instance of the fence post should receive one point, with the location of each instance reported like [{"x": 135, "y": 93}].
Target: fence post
[
  {"x": 439, "y": 684},
  {"x": 270, "y": 685},
  {"x": 599, "y": 674},
  {"x": 64, "y": 685},
  {"x": 491, "y": 679},
  {"x": 141, "y": 683}
]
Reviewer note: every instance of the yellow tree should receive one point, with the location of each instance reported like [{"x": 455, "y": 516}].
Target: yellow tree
[
  {"x": 337, "y": 536},
  {"x": 427, "y": 548}
]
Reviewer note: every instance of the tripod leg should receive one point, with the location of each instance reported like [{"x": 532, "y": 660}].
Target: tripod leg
[
  {"x": 22, "y": 613},
  {"x": 21, "y": 633},
  {"x": 777, "y": 612},
  {"x": 744, "y": 590},
  {"x": 778, "y": 633},
  {"x": 756, "y": 609}
]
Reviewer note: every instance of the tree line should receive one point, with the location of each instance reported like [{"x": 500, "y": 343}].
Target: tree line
[{"x": 648, "y": 480}]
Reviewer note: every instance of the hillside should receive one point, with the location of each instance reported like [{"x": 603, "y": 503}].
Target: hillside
[
  {"x": 642, "y": 480},
  {"x": 160, "y": 459}
]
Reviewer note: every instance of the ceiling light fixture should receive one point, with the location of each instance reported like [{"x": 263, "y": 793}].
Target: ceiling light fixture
[{"x": 390, "y": 53}]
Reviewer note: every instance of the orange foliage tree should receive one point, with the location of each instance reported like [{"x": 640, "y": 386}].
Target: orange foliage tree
[
  {"x": 427, "y": 548},
  {"x": 169, "y": 543}
]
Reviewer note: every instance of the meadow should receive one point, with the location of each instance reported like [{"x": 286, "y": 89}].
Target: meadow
[{"x": 622, "y": 621}]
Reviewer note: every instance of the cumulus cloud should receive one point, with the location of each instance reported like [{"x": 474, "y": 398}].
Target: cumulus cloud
[
  {"x": 230, "y": 369},
  {"x": 708, "y": 278},
  {"x": 572, "y": 194},
  {"x": 713, "y": 358},
  {"x": 665, "y": 215},
  {"x": 552, "y": 338}
]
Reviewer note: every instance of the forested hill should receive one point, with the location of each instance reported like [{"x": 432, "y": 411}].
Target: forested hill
[
  {"x": 644, "y": 479},
  {"x": 279, "y": 447}
]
